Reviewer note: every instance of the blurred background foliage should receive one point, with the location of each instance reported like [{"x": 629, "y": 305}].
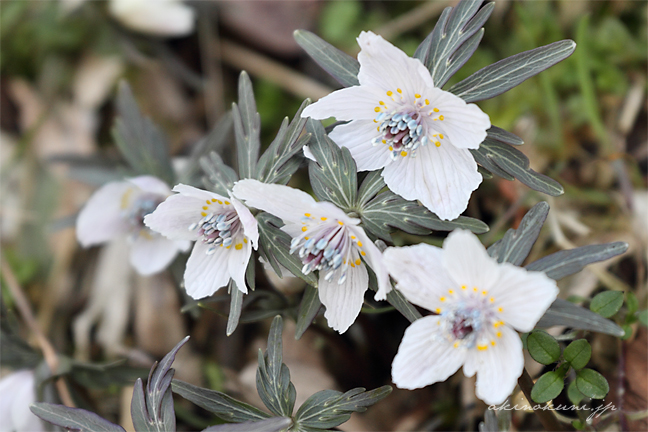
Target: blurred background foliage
[{"x": 583, "y": 122}]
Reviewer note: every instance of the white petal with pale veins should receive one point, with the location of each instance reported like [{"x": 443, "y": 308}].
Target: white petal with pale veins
[
  {"x": 101, "y": 218},
  {"x": 356, "y": 136},
  {"x": 206, "y": 274},
  {"x": 343, "y": 301},
  {"x": 151, "y": 253}
]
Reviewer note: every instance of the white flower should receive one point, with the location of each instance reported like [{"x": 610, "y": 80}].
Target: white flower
[
  {"x": 419, "y": 133},
  {"x": 479, "y": 303},
  {"x": 327, "y": 240},
  {"x": 17, "y": 392},
  {"x": 117, "y": 209},
  {"x": 223, "y": 229},
  {"x": 156, "y": 17}
]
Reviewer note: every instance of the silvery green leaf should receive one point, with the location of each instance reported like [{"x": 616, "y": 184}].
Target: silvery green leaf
[
  {"x": 454, "y": 39},
  {"x": 214, "y": 142},
  {"x": 502, "y": 76},
  {"x": 278, "y": 164},
  {"x": 370, "y": 186},
  {"x": 484, "y": 172},
  {"x": 398, "y": 300},
  {"x": 490, "y": 422},
  {"x": 274, "y": 247},
  {"x": 236, "y": 303},
  {"x": 220, "y": 404},
  {"x": 333, "y": 176},
  {"x": 390, "y": 210},
  {"x": 564, "y": 313},
  {"x": 308, "y": 309},
  {"x": 219, "y": 177},
  {"x": 14, "y": 351},
  {"x": 485, "y": 162},
  {"x": 153, "y": 410},
  {"x": 498, "y": 134},
  {"x": 515, "y": 163},
  {"x": 516, "y": 244},
  {"x": 273, "y": 377},
  {"x": 73, "y": 419},
  {"x": 273, "y": 424},
  {"x": 330, "y": 408},
  {"x": 141, "y": 142},
  {"x": 564, "y": 263},
  {"x": 247, "y": 127},
  {"x": 340, "y": 65}
]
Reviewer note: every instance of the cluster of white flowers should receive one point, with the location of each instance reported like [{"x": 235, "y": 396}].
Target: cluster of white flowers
[{"x": 421, "y": 136}]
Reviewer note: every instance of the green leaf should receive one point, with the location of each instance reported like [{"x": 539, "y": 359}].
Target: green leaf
[
  {"x": 578, "y": 353},
  {"x": 333, "y": 176},
  {"x": 214, "y": 142},
  {"x": 547, "y": 387},
  {"x": 543, "y": 347},
  {"x": 390, "y": 210},
  {"x": 273, "y": 424},
  {"x": 628, "y": 331},
  {"x": 564, "y": 263},
  {"x": 340, "y": 65},
  {"x": 236, "y": 304},
  {"x": 643, "y": 317},
  {"x": 578, "y": 425},
  {"x": 308, "y": 309},
  {"x": 607, "y": 303},
  {"x": 498, "y": 134},
  {"x": 225, "y": 407},
  {"x": 564, "y": 313},
  {"x": 592, "y": 384},
  {"x": 329, "y": 408},
  {"x": 219, "y": 177},
  {"x": 73, "y": 419},
  {"x": 631, "y": 303},
  {"x": 502, "y": 76},
  {"x": 247, "y": 127},
  {"x": 454, "y": 39},
  {"x": 273, "y": 377},
  {"x": 141, "y": 142},
  {"x": 371, "y": 185},
  {"x": 398, "y": 300},
  {"x": 574, "y": 395},
  {"x": 278, "y": 163},
  {"x": 274, "y": 247},
  {"x": 516, "y": 164},
  {"x": 516, "y": 244},
  {"x": 153, "y": 410}
]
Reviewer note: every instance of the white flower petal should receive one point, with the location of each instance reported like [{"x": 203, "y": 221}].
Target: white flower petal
[
  {"x": 499, "y": 367},
  {"x": 101, "y": 218},
  {"x": 467, "y": 261},
  {"x": 384, "y": 66},
  {"x": 441, "y": 178},
  {"x": 346, "y": 104},
  {"x": 464, "y": 125},
  {"x": 286, "y": 203},
  {"x": 159, "y": 18},
  {"x": 151, "y": 253},
  {"x": 238, "y": 262},
  {"x": 197, "y": 193},
  {"x": 344, "y": 301},
  {"x": 424, "y": 357},
  {"x": 17, "y": 392},
  {"x": 357, "y": 136},
  {"x": 151, "y": 184},
  {"x": 375, "y": 260},
  {"x": 173, "y": 217},
  {"x": 206, "y": 274},
  {"x": 250, "y": 226},
  {"x": 420, "y": 274},
  {"x": 308, "y": 153},
  {"x": 524, "y": 296}
]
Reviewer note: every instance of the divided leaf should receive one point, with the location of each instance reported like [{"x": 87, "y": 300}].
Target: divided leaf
[
  {"x": 338, "y": 64},
  {"x": 73, "y": 419},
  {"x": 564, "y": 263},
  {"x": 308, "y": 309},
  {"x": 247, "y": 127},
  {"x": 454, "y": 39},
  {"x": 273, "y": 424},
  {"x": 278, "y": 164},
  {"x": 219, "y": 177},
  {"x": 498, "y": 134},
  {"x": 516, "y": 244},
  {"x": 390, "y": 210},
  {"x": 141, "y": 142},
  {"x": 563, "y": 313},
  {"x": 330, "y": 408},
  {"x": 369, "y": 188},
  {"x": 334, "y": 175},
  {"x": 502, "y": 76},
  {"x": 273, "y": 377},
  {"x": 236, "y": 304}
]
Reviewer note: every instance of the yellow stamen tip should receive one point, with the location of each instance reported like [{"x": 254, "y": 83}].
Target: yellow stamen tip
[
  {"x": 450, "y": 292},
  {"x": 341, "y": 223},
  {"x": 377, "y": 109},
  {"x": 353, "y": 237},
  {"x": 438, "y": 144},
  {"x": 205, "y": 207},
  {"x": 203, "y": 214},
  {"x": 304, "y": 228},
  {"x": 500, "y": 309},
  {"x": 435, "y": 109},
  {"x": 482, "y": 347},
  {"x": 389, "y": 93},
  {"x": 442, "y": 299},
  {"x": 214, "y": 200},
  {"x": 363, "y": 253},
  {"x": 438, "y": 310},
  {"x": 239, "y": 246},
  {"x": 456, "y": 345},
  {"x": 441, "y": 117},
  {"x": 307, "y": 214},
  {"x": 381, "y": 103},
  {"x": 391, "y": 148},
  {"x": 492, "y": 299},
  {"x": 219, "y": 202},
  {"x": 360, "y": 243},
  {"x": 208, "y": 202},
  {"x": 403, "y": 153},
  {"x": 493, "y": 342},
  {"x": 399, "y": 90},
  {"x": 427, "y": 102},
  {"x": 227, "y": 203},
  {"x": 484, "y": 292},
  {"x": 245, "y": 240},
  {"x": 323, "y": 218},
  {"x": 463, "y": 287},
  {"x": 499, "y": 334},
  {"x": 357, "y": 261},
  {"x": 417, "y": 95},
  {"x": 441, "y": 135},
  {"x": 475, "y": 289}
]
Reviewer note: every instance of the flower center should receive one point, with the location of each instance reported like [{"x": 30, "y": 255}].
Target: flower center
[
  {"x": 141, "y": 206},
  {"x": 219, "y": 228},
  {"x": 327, "y": 246}
]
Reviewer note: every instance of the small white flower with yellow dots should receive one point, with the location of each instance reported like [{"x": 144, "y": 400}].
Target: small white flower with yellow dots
[
  {"x": 479, "y": 304},
  {"x": 328, "y": 241},
  {"x": 400, "y": 121},
  {"x": 224, "y": 230}
]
